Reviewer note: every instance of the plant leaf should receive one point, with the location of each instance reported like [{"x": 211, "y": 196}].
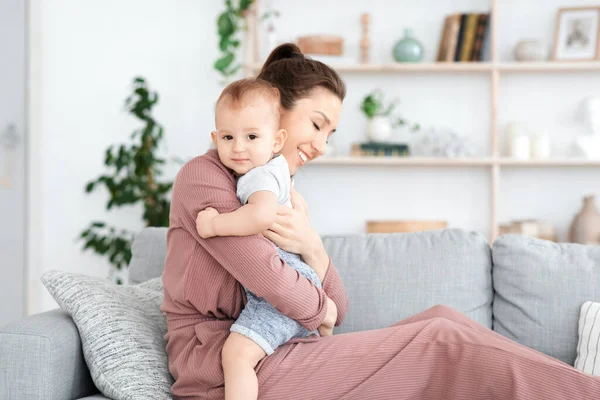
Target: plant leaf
[
  {"x": 222, "y": 63},
  {"x": 245, "y": 4},
  {"x": 225, "y": 25}
]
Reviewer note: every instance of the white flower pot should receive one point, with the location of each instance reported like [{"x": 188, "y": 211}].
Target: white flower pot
[{"x": 379, "y": 128}]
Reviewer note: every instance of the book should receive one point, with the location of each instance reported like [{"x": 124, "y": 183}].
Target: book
[
  {"x": 451, "y": 36},
  {"x": 486, "y": 53},
  {"x": 461, "y": 36},
  {"x": 480, "y": 34},
  {"x": 470, "y": 29},
  {"x": 445, "y": 36},
  {"x": 380, "y": 149}
]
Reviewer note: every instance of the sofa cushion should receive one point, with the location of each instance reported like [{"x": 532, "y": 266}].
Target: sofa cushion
[
  {"x": 540, "y": 287},
  {"x": 122, "y": 333},
  {"x": 389, "y": 277},
  {"x": 588, "y": 347}
]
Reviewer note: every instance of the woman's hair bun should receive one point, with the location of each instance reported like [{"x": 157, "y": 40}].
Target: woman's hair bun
[{"x": 283, "y": 51}]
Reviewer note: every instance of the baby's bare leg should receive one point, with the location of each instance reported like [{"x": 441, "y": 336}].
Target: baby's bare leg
[{"x": 239, "y": 357}]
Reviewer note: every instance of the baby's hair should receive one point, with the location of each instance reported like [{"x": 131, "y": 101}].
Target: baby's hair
[{"x": 239, "y": 91}]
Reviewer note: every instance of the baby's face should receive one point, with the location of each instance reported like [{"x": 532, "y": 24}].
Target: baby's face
[{"x": 246, "y": 136}]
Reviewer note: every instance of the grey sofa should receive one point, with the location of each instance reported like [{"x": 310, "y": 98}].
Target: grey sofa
[{"x": 526, "y": 289}]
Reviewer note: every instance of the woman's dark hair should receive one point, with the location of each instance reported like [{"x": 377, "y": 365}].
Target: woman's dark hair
[{"x": 296, "y": 75}]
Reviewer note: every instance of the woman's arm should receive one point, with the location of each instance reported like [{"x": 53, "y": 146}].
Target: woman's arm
[
  {"x": 292, "y": 232},
  {"x": 251, "y": 260}
]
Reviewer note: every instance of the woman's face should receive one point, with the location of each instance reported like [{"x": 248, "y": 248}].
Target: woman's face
[{"x": 309, "y": 124}]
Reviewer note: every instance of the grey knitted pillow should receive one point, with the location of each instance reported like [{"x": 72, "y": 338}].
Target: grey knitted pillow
[{"x": 122, "y": 333}]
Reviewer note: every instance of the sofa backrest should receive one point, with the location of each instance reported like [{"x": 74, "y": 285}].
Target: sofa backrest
[
  {"x": 148, "y": 254},
  {"x": 388, "y": 277},
  {"x": 540, "y": 287}
]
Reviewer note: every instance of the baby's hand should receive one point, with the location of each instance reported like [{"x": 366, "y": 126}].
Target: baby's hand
[
  {"x": 325, "y": 330},
  {"x": 204, "y": 223}
]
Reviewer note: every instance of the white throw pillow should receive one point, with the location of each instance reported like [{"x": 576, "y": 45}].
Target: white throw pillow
[
  {"x": 588, "y": 348},
  {"x": 122, "y": 333}
]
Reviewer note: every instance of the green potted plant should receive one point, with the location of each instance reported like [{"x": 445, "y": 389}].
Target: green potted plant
[
  {"x": 133, "y": 177},
  {"x": 380, "y": 121},
  {"x": 229, "y": 23}
]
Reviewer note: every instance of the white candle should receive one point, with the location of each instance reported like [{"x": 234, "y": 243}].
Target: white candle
[
  {"x": 540, "y": 146},
  {"x": 519, "y": 147}
]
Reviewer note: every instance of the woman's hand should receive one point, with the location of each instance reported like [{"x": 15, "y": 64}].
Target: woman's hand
[
  {"x": 326, "y": 328},
  {"x": 292, "y": 232}
]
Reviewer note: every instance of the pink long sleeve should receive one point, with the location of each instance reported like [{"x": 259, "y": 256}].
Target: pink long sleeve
[
  {"x": 251, "y": 260},
  {"x": 334, "y": 288}
]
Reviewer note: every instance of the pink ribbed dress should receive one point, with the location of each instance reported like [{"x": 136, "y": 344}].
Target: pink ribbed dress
[{"x": 437, "y": 354}]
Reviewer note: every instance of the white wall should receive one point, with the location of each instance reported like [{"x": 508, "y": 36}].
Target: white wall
[{"x": 91, "y": 50}]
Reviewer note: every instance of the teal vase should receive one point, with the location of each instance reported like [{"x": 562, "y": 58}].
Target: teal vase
[{"x": 408, "y": 49}]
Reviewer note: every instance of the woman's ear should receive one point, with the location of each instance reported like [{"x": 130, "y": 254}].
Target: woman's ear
[{"x": 280, "y": 138}]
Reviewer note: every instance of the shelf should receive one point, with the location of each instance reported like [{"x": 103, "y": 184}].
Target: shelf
[
  {"x": 549, "y": 66},
  {"x": 508, "y": 67},
  {"x": 414, "y": 161},
  {"x": 556, "y": 162},
  {"x": 456, "y": 162}
]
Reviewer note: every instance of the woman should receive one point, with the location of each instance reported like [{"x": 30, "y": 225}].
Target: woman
[{"x": 436, "y": 354}]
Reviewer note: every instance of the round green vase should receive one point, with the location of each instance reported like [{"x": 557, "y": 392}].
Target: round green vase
[{"x": 408, "y": 49}]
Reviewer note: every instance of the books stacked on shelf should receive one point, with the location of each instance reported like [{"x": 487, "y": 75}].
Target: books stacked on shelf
[
  {"x": 379, "y": 149},
  {"x": 465, "y": 37}
]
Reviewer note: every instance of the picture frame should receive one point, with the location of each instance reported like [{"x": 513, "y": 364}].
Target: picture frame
[{"x": 577, "y": 34}]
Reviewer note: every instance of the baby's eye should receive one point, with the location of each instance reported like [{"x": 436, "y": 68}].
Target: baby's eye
[
  {"x": 252, "y": 136},
  {"x": 228, "y": 137},
  {"x": 316, "y": 127}
]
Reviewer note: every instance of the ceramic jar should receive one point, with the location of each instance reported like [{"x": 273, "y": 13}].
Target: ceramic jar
[
  {"x": 531, "y": 50},
  {"x": 379, "y": 128},
  {"x": 585, "y": 228},
  {"x": 408, "y": 49}
]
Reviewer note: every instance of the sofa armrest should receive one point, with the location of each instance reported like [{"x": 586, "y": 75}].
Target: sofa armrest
[{"x": 41, "y": 358}]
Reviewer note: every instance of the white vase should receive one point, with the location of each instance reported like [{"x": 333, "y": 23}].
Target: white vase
[
  {"x": 531, "y": 50},
  {"x": 379, "y": 128}
]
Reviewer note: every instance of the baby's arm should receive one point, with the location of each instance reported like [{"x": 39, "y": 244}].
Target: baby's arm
[{"x": 255, "y": 217}]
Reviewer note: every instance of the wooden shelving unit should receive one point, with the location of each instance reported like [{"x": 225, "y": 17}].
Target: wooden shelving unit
[{"x": 493, "y": 69}]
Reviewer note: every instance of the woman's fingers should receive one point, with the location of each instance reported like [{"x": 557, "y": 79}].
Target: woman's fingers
[
  {"x": 277, "y": 227},
  {"x": 274, "y": 237}
]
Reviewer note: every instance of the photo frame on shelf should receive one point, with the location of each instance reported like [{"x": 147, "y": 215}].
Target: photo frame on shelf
[{"x": 577, "y": 34}]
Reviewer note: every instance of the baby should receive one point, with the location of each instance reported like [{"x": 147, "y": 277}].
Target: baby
[{"x": 247, "y": 139}]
